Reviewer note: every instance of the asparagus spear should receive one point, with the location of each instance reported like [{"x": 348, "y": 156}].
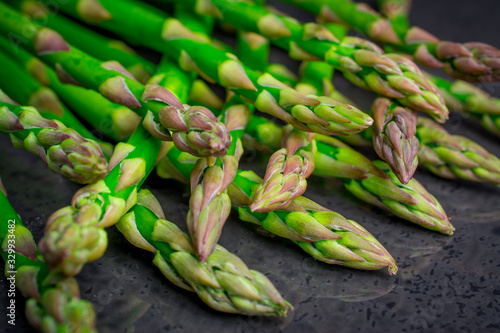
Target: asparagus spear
[
  {"x": 286, "y": 173},
  {"x": 194, "y": 129},
  {"x": 372, "y": 182},
  {"x": 54, "y": 303},
  {"x": 323, "y": 234},
  {"x": 473, "y": 61},
  {"x": 91, "y": 42},
  {"x": 64, "y": 150},
  {"x": 462, "y": 96},
  {"x": 75, "y": 234},
  {"x": 458, "y": 95},
  {"x": 394, "y": 127},
  {"x": 223, "y": 281},
  {"x": 361, "y": 62},
  {"x": 162, "y": 33},
  {"x": 454, "y": 156}
]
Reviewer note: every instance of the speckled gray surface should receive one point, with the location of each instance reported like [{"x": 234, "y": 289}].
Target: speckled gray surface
[{"x": 445, "y": 284}]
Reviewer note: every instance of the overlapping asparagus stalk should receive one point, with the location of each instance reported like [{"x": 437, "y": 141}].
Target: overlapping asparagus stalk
[
  {"x": 458, "y": 95},
  {"x": 113, "y": 120},
  {"x": 63, "y": 149},
  {"x": 54, "y": 303},
  {"x": 156, "y": 30},
  {"x": 362, "y": 62},
  {"x": 325, "y": 235},
  {"x": 372, "y": 182},
  {"x": 223, "y": 281},
  {"x": 471, "y": 61},
  {"x": 193, "y": 129},
  {"x": 75, "y": 234},
  {"x": 286, "y": 173},
  {"x": 462, "y": 96},
  {"x": 455, "y": 156},
  {"x": 394, "y": 126},
  {"x": 93, "y": 43}
]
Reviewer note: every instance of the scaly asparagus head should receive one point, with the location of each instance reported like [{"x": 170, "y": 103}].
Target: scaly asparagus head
[
  {"x": 394, "y": 137},
  {"x": 53, "y": 301},
  {"x": 162, "y": 111},
  {"x": 223, "y": 281},
  {"x": 454, "y": 156},
  {"x": 286, "y": 172},
  {"x": 75, "y": 234},
  {"x": 64, "y": 150},
  {"x": 209, "y": 205}
]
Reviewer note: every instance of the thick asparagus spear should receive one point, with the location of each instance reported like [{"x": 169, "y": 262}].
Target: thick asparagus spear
[
  {"x": 455, "y": 156},
  {"x": 154, "y": 29},
  {"x": 91, "y": 42},
  {"x": 373, "y": 183},
  {"x": 18, "y": 84},
  {"x": 361, "y": 62},
  {"x": 194, "y": 129},
  {"x": 63, "y": 149},
  {"x": 223, "y": 281},
  {"x": 394, "y": 127},
  {"x": 325, "y": 235},
  {"x": 471, "y": 61},
  {"x": 458, "y": 95},
  {"x": 462, "y": 96},
  {"x": 54, "y": 303},
  {"x": 75, "y": 234},
  {"x": 286, "y": 173},
  {"x": 209, "y": 205}
]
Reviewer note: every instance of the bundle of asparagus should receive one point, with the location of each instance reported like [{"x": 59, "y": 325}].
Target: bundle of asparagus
[{"x": 166, "y": 116}]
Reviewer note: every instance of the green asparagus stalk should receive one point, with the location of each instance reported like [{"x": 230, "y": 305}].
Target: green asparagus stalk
[
  {"x": 454, "y": 156},
  {"x": 223, "y": 281},
  {"x": 362, "y": 62},
  {"x": 75, "y": 234},
  {"x": 372, "y": 182},
  {"x": 394, "y": 127},
  {"x": 462, "y": 96},
  {"x": 323, "y": 234},
  {"x": 394, "y": 137},
  {"x": 209, "y": 205},
  {"x": 21, "y": 87},
  {"x": 95, "y": 44},
  {"x": 473, "y": 61},
  {"x": 63, "y": 149},
  {"x": 54, "y": 303},
  {"x": 286, "y": 173},
  {"x": 194, "y": 129},
  {"x": 168, "y": 35}
]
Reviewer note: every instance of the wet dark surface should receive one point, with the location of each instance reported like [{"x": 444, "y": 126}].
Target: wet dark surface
[{"x": 446, "y": 284}]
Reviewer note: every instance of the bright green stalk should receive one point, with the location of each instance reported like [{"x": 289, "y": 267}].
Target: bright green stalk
[
  {"x": 223, "y": 281},
  {"x": 455, "y": 156},
  {"x": 362, "y": 62},
  {"x": 162, "y": 111},
  {"x": 54, "y": 303},
  {"x": 209, "y": 205},
  {"x": 64, "y": 150},
  {"x": 372, "y": 182},
  {"x": 325, "y": 235},
  {"x": 149, "y": 27},
  {"x": 476, "y": 62},
  {"x": 462, "y": 96},
  {"x": 16, "y": 83},
  {"x": 95, "y": 44},
  {"x": 75, "y": 234}
]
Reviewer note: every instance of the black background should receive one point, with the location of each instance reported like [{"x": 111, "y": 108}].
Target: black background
[{"x": 445, "y": 284}]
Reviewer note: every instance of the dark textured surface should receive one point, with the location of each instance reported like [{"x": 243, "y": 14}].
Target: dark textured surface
[{"x": 446, "y": 284}]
